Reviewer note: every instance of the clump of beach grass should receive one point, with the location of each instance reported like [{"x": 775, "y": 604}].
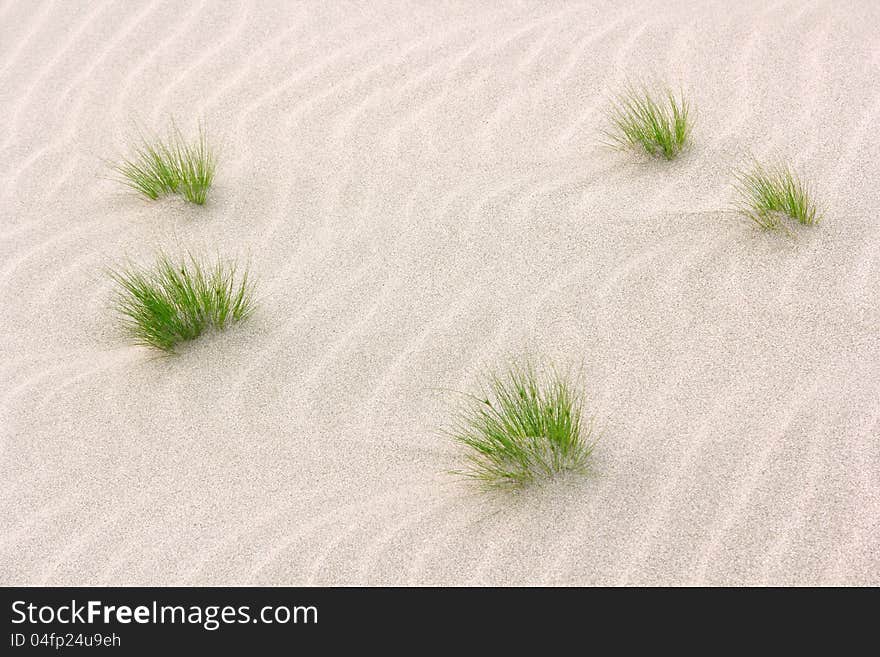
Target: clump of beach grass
[
  {"x": 178, "y": 300},
  {"x": 770, "y": 193},
  {"x": 659, "y": 124},
  {"x": 174, "y": 165},
  {"x": 525, "y": 425}
]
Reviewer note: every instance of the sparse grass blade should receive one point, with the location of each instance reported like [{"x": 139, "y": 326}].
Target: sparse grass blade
[
  {"x": 151, "y": 171},
  {"x": 161, "y": 167},
  {"x": 176, "y": 301},
  {"x": 767, "y": 194},
  {"x": 196, "y": 164},
  {"x": 526, "y": 425},
  {"x": 660, "y": 127}
]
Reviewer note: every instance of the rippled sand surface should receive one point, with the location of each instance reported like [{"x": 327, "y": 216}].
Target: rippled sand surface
[{"x": 421, "y": 193}]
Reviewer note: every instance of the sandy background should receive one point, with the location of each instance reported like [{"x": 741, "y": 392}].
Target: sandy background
[{"x": 421, "y": 193}]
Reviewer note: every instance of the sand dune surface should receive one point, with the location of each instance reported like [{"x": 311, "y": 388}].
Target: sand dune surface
[{"x": 421, "y": 191}]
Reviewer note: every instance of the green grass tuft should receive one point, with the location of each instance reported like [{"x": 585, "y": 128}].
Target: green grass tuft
[
  {"x": 176, "y": 301},
  {"x": 769, "y": 193},
  {"x": 174, "y": 165},
  {"x": 659, "y": 127},
  {"x": 525, "y": 426},
  {"x": 151, "y": 171}
]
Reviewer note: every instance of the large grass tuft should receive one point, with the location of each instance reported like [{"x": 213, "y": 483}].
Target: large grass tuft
[
  {"x": 176, "y": 301},
  {"x": 661, "y": 127},
  {"x": 769, "y": 193},
  {"x": 171, "y": 166},
  {"x": 526, "y": 425}
]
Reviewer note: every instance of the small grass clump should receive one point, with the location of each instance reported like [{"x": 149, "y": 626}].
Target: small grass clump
[
  {"x": 176, "y": 301},
  {"x": 171, "y": 166},
  {"x": 526, "y": 425},
  {"x": 659, "y": 127},
  {"x": 767, "y": 194}
]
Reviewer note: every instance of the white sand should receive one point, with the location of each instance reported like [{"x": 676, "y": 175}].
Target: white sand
[{"x": 421, "y": 192}]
